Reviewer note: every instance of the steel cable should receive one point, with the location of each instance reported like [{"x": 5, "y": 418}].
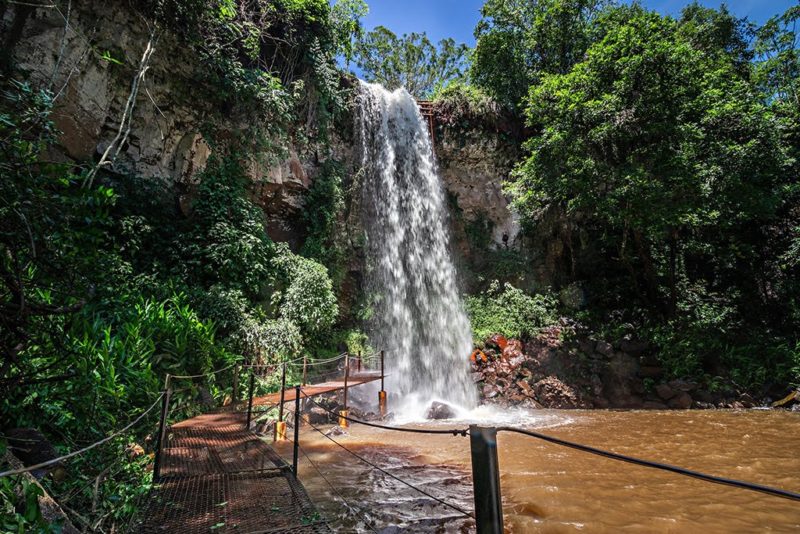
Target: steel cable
[
  {"x": 361, "y": 458},
  {"x": 347, "y": 504},
  {"x": 452, "y": 431},
  {"x": 657, "y": 465}
]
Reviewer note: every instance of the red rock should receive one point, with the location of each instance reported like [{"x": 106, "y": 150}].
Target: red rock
[
  {"x": 499, "y": 341},
  {"x": 525, "y": 387}
]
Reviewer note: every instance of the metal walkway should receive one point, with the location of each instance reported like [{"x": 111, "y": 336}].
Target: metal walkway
[
  {"x": 226, "y": 479},
  {"x": 218, "y": 476}
]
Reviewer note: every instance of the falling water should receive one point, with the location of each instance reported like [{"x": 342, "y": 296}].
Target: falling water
[{"x": 417, "y": 313}]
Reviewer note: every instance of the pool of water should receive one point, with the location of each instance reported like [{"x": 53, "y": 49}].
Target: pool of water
[{"x": 547, "y": 488}]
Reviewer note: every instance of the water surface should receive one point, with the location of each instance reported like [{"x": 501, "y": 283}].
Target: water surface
[{"x": 547, "y": 488}]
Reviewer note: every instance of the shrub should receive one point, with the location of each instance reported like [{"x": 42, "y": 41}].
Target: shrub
[
  {"x": 307, "y": 299},
  {"x": 509, "y": 311}
]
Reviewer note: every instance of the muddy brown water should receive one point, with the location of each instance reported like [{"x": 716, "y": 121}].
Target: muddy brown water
[{"x": 547, "y": 488}]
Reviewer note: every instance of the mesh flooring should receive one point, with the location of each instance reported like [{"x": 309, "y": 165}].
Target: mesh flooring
[{"x": 226, "y": 479}]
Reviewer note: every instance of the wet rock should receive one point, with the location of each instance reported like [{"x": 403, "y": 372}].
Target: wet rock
[
  {"x": 796, "y": 407},
  {"x": 605, "y": 348},
  {"x": 513, "y": 350},
  {"x": 317, "y": 415},
  {"x": 683, "y": 385},
  {"x": 747, "y": 400},
  {"x": 633, "y": 347},
  {"x": 477, "y": 377},
  {"x": 440, "y": 410},
  {"x": 32, "y": 447},
  {"x": 525, "y": 387},
  {"x": 704, "y": 405},
  {"x": 681, "y": 401},
  {"x": 554, "y": 393},
  {"x": 654, "y": 405},
  {"x": 665, "y": 392},
  {"x": 336, "y": 431}
]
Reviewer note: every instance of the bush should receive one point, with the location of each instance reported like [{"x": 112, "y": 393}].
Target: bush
[
  {"x": 307, "y": 299},
  {"x": 509, "y": 311}
]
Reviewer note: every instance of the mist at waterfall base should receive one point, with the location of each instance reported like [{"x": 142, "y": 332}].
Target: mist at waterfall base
[{"x": 417, "y": 314}]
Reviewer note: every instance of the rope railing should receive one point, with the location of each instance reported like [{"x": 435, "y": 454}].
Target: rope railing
[
  {"x": 85, "y": 449},
  {"x": 205, "y": 375}
]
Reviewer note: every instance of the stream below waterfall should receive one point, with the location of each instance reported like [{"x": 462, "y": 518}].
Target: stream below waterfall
[{"x": 547, "y": 488}]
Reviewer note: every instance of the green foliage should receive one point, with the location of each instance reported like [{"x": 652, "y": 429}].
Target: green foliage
[
  {"x": 323, "y": 207},
  {"x": 651, "y": 137},
  {"x": 19, "y": 506},
  {"x": 508, "y": 311},
  {"x": 519, "y": 41},
  {"x": 305, "y": 296},
  {"x": 227, "y": 241},
  {"x": 411, "y": 61},
  {"x": 346, "y": 21}
]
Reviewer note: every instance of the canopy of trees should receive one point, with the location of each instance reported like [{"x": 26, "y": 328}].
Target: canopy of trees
[{"x": 410, "y": 61}]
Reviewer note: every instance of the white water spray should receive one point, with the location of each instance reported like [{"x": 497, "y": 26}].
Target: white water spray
[{"x": 417, "y": 312}]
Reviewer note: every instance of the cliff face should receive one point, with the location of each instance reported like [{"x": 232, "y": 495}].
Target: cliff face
[{"x": 89, "y": 57}]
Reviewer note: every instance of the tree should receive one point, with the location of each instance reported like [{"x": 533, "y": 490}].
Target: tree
[
  {"x": 518, "y": 41},
  {"x": 778, "y": 51},
  {"x": 346, "y": 24},
  {"x": 411, "y": 61},
  {"x": 661, "y": 143}
]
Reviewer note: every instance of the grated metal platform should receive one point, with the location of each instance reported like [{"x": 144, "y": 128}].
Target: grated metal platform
[{"x": 226, "y": 479}]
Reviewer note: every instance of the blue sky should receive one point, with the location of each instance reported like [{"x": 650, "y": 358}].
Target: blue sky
[{"x": 457, "y": 18}]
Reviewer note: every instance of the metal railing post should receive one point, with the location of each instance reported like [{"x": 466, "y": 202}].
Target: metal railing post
[
  {"x": 382, "y": 373},
  {"x": 250, "y": 399},
  {"x": 382, "y": 393},
  {"x": 343, "y": 413},
  {"x": 296, "y": 429},
  {"x": 346, "y": 377},
  {"x": 280, "y": 406},
  {"x": 486, "y": 480},
  {"x": 359, "y": 361},
  {"x": 162, "y": 425}
]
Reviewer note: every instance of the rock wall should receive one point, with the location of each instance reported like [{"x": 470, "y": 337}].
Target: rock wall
[
  {"x": 90, "y": 62},
  {"x": 88, "y": 57}
]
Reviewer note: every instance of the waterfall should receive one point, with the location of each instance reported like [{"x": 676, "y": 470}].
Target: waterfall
[{"x": 411, "y": 280}]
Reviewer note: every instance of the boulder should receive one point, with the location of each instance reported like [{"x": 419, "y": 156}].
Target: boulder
[
  {"x": 317, "y": 415},
  {"x": 440, "y": 410},
  {"x": 605, "y": 348},
  {"x": 683, "y": 385},
  {"x": 499, "y": 341},
  {"x": 681, "y": 401},
  {"x": 665, "y": 392},
  {"x": 654, "y": 405},
  {"x": 513, "y": 350}
]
